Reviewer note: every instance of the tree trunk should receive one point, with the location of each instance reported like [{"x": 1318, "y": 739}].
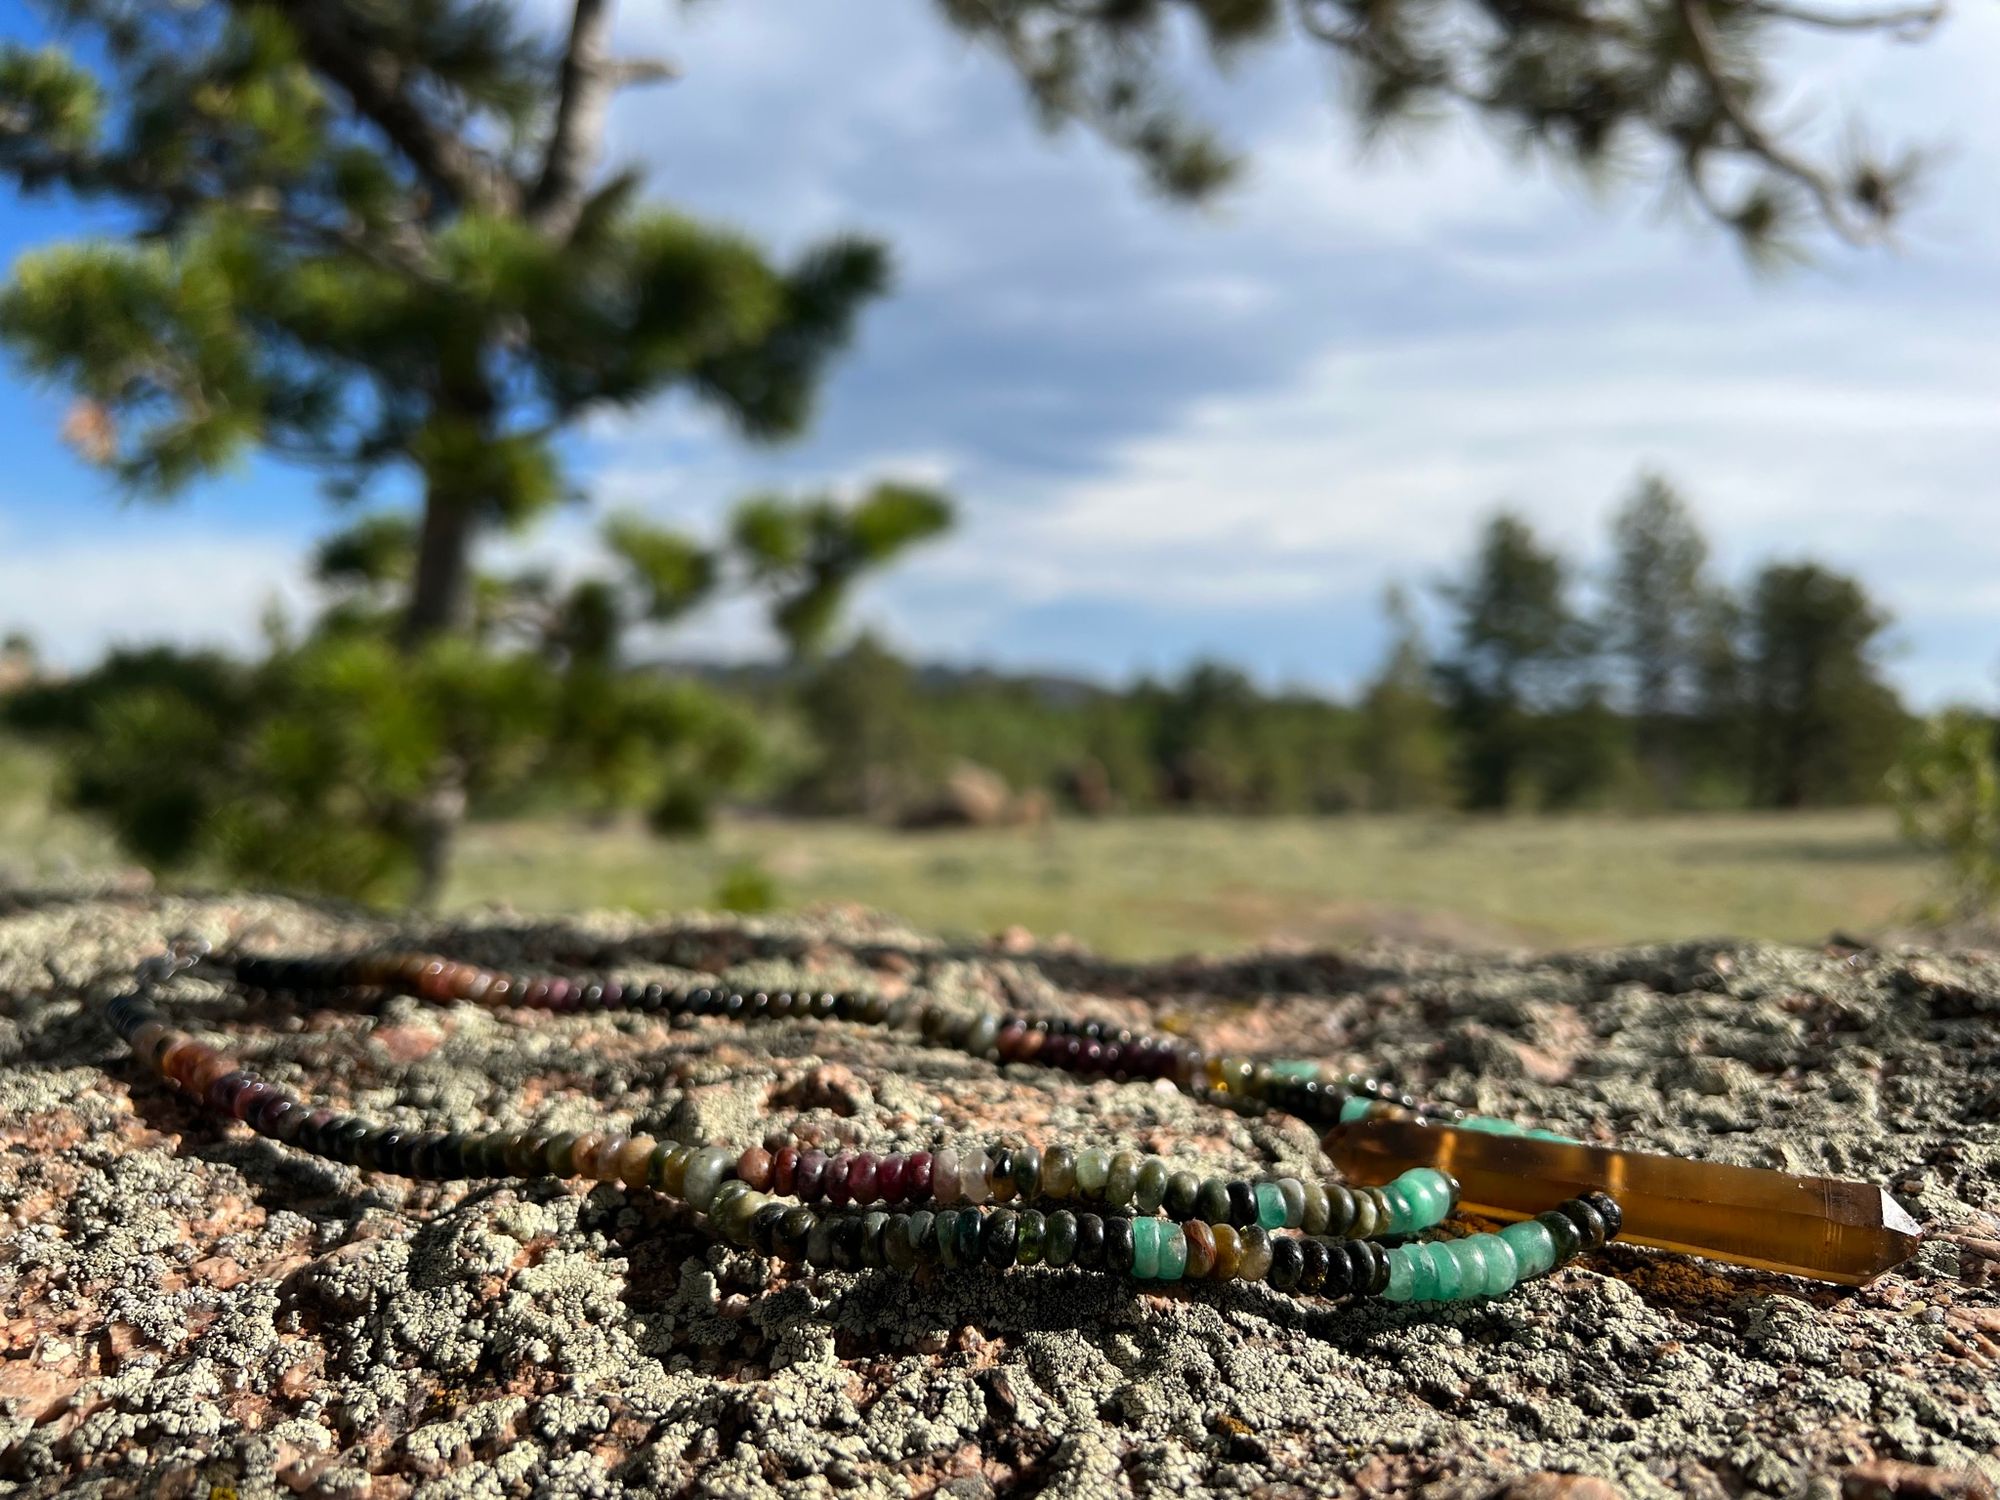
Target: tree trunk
[{"x": 438, "y": 606}]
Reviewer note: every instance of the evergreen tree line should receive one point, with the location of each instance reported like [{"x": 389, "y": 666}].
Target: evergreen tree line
[{"x": 1675, "y": 691}]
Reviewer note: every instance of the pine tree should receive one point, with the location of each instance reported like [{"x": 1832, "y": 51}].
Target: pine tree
[
  {"x": 1404, "y": 751},
  {"x": 1657, "y": 601},
  {"x": 1517, "y": 651},
  {"x": 1824, "y": 725}
]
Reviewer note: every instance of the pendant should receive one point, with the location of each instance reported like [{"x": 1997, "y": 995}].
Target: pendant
[{"x": 1818, "y": 1227}]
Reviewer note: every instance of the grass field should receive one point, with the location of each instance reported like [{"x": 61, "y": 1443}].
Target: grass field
[
  {"x": 1153, "y": 886},
  {"x": 1150, "y": 886}
]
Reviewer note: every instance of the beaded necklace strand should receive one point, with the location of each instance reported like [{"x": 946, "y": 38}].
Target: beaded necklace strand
[{"x": 1294, "y": 1234}]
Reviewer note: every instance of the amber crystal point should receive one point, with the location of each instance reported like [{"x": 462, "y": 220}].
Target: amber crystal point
[{"x": 1819, "y": 1227}]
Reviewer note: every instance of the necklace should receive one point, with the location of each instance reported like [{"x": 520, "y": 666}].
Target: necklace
[{"x": 847, "y": 1210}]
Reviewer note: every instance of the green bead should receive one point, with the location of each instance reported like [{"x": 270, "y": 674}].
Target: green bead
[
  {"x": 945, "y": 1228},
  {"x": 1399, "y": 1210},
  {"x": 1150, "y": 1190},
  {"x": 897, "y": 1247},
  {"x": 1503, "y": 1272},
  {"x": 1146, "y": 1247},
  {"x": 1183, "y": 1188},
  {"x": 1031, "y": 1237},
  {"x": 1294, "y": 1193},
  {"x": 970, "y": 1232},
  {"x": 874, "y": 1232},
  {"x": 1060, "y": 1246},
  {"x": 1423, "y": 1275},
  {"x": 1173, "y": 1252},
  {"x": 705, "y": 1172},
  {"x": 1354, "y": 1108},
  {"x": 1058, "y": 1172},
  {"x": 1122, "y": 1180},
  {"x": 1092, "y": 1169},
  {"x": 1447, "y": 1277},
  {"x": 1270, "y": 1206},
  {"x": 1472, "y": 1260},
  {"x": 1319, "y": 1209},
  {"x": 1400, "y": 1275},
  {"x": 1211, "y": 1201},
  {"x": 1533, "y": 1246}
]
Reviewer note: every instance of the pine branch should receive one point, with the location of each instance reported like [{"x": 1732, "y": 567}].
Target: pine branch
[
  {"x": 1912, "y": 20},
  {"x": 590, "y": 76},
  {"x": 375, "y": 80}
]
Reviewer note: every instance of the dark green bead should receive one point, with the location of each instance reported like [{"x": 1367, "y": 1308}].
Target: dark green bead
[
  {"x": 1340, "y": 1211},
  {"x": 1313, "y": 1263},
  {"x": 1568, "y": 1238},
  {"x": 944, "y": 1229},
  {"x": 764, "y": 1227},
  {"x": 1003, "y": 1236},
  {"x": 1587, "y": 1221},
  {"x": 1089, "y": 1242},
  {"x": 1361, "y": 1263},
  {"x": 1031, "y": 1237},
  {"x": 1288, "y": 1262},
  {"x": 1027, "y": 1171},
  {"x": 1609, "y": 1211},
  {"x": 1338, "y": 1278},
  {"x": 917, "y": 1233},
  {"x": 874, "y": 1249},
  {"x": 1182, "y": 1190},
  {"x": 1242, "y": 1203},
  {"x": 1211, "y": 1200},
  {"x": 1151, "y": 1189},
  {"x": 1380, "y": 1259},
  {"x": 560, "y": 1154},
  {"x": 970, "y": 1234},
  {"x": 1119, "y": 1246},
  {"x": 1060, "y": 1249},
  {"x": 847, "y": 1242}
]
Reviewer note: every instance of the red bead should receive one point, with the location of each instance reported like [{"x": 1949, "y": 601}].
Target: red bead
[
  {"x": 889, "y": 1177},
  {"x": 836, "y": 1178},
  {"x": 784, "y": 1162},
  {"x": 1008, "y": 1043},
  {"x": 862, "y": 1177},
  {"x": 809, "y": 1181},
  {"x": 917, "y": 1177},
  {"x": 754, "y": 1167}
]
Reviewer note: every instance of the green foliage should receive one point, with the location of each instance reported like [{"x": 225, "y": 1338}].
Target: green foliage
[
  {"x": 1823, "y": 725},
  {"x": 807, "y": 553},
  {"x": 746, "y": 887},
  {"x": 1404, "y": 748},
  {"x": 1947, "y": 791}
]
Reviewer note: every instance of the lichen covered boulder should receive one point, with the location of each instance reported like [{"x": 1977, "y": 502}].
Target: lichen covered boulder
[{"x": 186, "y": 1308}]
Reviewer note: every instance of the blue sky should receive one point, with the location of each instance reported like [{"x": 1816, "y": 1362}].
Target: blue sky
[{"x": 1220, "y": 433}]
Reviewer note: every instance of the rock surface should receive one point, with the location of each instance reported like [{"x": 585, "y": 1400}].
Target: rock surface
[{"x": 188, "y": 1310}]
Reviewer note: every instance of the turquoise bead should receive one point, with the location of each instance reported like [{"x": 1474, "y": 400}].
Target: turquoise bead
[
  {"x": 1552, "y": 1135},
  {"x": 1423, "y": 1275},
  {"x": 1173, "y": 1252},
  {"x": 1504, "y": 1272},
  {"x": 1400, "y": 1276},
  {"x": 1450, "y": 1279},
  {"x": 1353, "y": 1109},
  {"x": 1472, "y": 1260},
  {"x": 1490, "y": 1125},
  {"x": 1533, "y": 1246},
  {"x": 1145, "y": 1248},
  {"x": 1425, "y": 1191},
  {"x": 1402, "y": 1212},
  {"x": 1293, "y": 1067},
  {"x": 1270, "y": 1206}
]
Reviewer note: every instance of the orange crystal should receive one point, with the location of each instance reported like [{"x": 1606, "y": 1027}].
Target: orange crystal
[{"x": 1818, "y": 1227}]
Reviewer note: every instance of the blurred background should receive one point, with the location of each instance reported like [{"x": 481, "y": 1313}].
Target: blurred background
[{"x": 1174, "y": 473}]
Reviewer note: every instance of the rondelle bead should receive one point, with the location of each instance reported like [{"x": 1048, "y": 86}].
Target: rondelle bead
[
  {"x": 1242, "y": 1203},
  {"x": 917, "y": 1178},
  {"x": 1588, "y": 1224},
  {"x": 1003, "y": 1237},
  {"x": 1089, "y": 1241},
  {"x": 1093, "y": 1170},
  {"x": 705, "y": 1172},
  {"x": 1270, "y": 1206},
  {"x": 1121, "y": 1180},
  {"x": 1228, "y": 1252},
  {"x": 1027, "y": 1172},
  {"x": 970, "y": 1233},
  {"x": 944, "y": 1234},
  {"x": 1173, "y": 1258},
  {"x": 889, "y": 1177},
  {"x": 1059, "y": 1172},
  {"x": 1200, "y": 1248},
  {"x": 809, "y": 1177},
  {"x": 1030, "y": 1237},
  {"x": 837, "y": 1169},
  {"x": 764, "y": 1226},
  {"x": 1182, "y": 1187},
  {"x": 1060, "y": 1244},
  {"x": 944, "y": 1175},
  {"x": 1313, "y": 1260},
  {"x": 1318, "y": 1210},
  {"x": 1364, "y": 1222},
  {"x": 1287, "y": 1262},
  {"x": 874, "y": 1228},
  {"x": 916, "y": 1233},
  {"x": 863, "y": 1178},
  {"x": 1000, "y": 1173},
  {"x": 1120, "y": 1245},
  {"x": 1608, "y": 1210},
  {"x": 1361, "y": 1266},
  {"x": 754, "y": 1167},
  {"x": 1150, "y": 1187},
  {"x": 784, "y": 1162},
  {"x": 1211, "y": 1200},
  {"x": 1256, "y": 1252},
  {"x": 634, "y": 1164},
  {"x": 972, "y": 1176}
]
